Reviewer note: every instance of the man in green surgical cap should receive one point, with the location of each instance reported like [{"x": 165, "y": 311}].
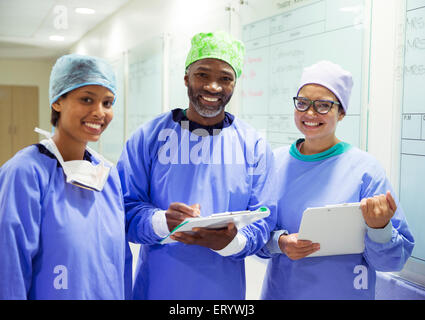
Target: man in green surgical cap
[{"x": 197, "y": 162}]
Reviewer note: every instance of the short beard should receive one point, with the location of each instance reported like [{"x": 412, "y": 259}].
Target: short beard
[{"x": 205, "y": 111}]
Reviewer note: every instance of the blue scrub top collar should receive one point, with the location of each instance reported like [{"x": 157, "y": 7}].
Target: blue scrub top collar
[
  {"x": 43, "y": 150},
  {"x": 337, "y": 149},
  {"x": 179, "y": 115}
]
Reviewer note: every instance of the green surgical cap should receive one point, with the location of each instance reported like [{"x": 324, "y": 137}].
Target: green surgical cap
[{"x": 218, "y": 45}]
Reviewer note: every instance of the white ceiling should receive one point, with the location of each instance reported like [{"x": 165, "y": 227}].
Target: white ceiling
[{"x": 26, "y": 25}]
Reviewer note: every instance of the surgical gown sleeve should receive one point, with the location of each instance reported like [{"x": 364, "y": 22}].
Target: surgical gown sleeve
[
  {"x": 393, "y": 254},
  {"x": 271, "y": 249},
  {"x": 134, "y": 169},
  {"x": 271, "y": 195},
  {"x": 20, "y": 214},
  {"x": 258, "y": 233}
]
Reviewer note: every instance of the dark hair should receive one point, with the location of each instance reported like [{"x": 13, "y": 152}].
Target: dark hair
[
  {"x": 340, "y": 107},
  {"x": 55, "y": 115}
]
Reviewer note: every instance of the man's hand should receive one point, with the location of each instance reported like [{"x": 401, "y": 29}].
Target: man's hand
[
  {"x": 215, "y": 239},
  {"x": 296, "y": 249},
  {"x": 378, "y": 211},
  {"x": 178, "y": 211}
]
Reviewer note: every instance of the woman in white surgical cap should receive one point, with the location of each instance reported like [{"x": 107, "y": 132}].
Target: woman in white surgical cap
[
  {"x": 62, "y": 229},
  {"x": 320, "y": 170}
]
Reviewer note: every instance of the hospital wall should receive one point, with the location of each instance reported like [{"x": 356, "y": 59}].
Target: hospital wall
[{"x": 27, "y": 72}]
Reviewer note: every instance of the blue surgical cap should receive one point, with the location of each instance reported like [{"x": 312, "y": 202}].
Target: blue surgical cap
[{"x": 73, "y": 71}]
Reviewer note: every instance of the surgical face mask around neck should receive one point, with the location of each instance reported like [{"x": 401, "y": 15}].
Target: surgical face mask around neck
[{"x": 81, "y": 173}]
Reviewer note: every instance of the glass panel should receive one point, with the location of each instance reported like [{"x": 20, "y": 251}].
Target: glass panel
[
  {"x": 279, "y": 47},
  {"x": 412, "y": 157}
]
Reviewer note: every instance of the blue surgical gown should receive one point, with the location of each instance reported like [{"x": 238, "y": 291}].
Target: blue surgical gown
[
  {"x": 59, "y": 241},
  {"x": 337, "y": 178},
  {"x": 166, "y": 161}
]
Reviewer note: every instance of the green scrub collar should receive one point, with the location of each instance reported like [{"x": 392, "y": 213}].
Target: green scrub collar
[{"x": 337, "y": 149}]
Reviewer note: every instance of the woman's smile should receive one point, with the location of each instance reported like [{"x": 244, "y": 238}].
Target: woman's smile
[
  {"x": 310, "y": 124},
  {"x": 94, "y": 127}
]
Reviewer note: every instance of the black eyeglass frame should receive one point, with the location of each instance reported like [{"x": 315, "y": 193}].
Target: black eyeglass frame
[{"x": 313, "y": 102}]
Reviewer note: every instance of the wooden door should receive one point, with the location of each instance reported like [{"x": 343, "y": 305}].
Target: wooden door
[
  {"x": 19, "y": 116},
  {"x": 25, "y": 117}
]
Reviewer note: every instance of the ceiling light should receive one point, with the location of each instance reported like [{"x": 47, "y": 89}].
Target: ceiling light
[
  {"x": 84, "y": 11},
  {"x": 56, "y": 38}
]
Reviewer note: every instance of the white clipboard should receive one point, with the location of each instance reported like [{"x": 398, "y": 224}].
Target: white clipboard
[
  {"x": 339, "y": 229},
  {"x": 219, "y": 220}
]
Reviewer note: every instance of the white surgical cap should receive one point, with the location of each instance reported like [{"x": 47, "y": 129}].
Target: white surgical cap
[{"x": 330, "y": 76}]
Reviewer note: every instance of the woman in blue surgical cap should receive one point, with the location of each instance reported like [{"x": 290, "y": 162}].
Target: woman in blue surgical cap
[
  {"x": 321, "y": 170},
  {"x": 62, "y": 229}
]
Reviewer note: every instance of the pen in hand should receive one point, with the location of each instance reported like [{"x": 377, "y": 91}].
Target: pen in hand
[{"x": 177, "y": 212}]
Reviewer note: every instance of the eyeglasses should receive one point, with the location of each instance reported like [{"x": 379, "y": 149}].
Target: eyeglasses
[{"x": 320, "y": 106}]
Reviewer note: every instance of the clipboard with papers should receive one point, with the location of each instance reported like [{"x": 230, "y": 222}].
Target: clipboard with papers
[
  {"x": 219, "y": 221},
  {"x": 339, "y": 229}
]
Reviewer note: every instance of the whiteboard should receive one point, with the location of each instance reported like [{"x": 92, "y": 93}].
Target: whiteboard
[
  {"x": 144, "y": 100},
  {"x": 412, "y": 156},
  {"x": 177, "y": 91},
  {"x": 280, "y": 46}
]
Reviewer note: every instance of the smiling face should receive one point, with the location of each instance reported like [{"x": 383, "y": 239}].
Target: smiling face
[
  {"x": 84, "y": 113},
  {"x": 210, "y": 84},
  {"x": 318, "y": 129}
]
